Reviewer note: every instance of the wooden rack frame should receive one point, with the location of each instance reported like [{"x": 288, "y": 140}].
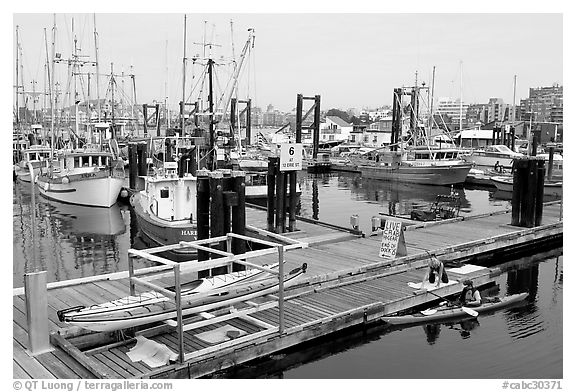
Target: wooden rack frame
[{"x": 227, "y": 258}]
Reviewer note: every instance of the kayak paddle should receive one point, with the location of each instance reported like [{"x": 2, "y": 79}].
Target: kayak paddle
[{"x": 469, "y": 311}]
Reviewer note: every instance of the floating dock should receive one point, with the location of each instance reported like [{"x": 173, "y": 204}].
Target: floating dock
[{"x": 346, "y": 284}]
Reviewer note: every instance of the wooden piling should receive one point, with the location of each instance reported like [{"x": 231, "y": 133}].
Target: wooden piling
[
  {"x": 239, "y": 217},
  {"x": 142, "y": 157},
  {"x": 271, "y": 180},
  {"x": 217, "y": 212},
  {"x": 518, "y": 171},
  {"x": 539, "y": 202},
  {"x": 316, "y": 134},
  {"x": 531, "y": 193},
  {"x": 293, "y": 201},
  {"x": 132, "y": 165},
  {"x": 550, "y": 162},
  {"x": 37, "y": 312},
  {"x": 203, "y": 210},
  {"x": 280, "y": 198}
]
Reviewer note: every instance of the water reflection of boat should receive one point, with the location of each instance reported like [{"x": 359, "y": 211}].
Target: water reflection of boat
[
  {"x": 85, "y": 221},
  {"x": 401, "y": 197}
]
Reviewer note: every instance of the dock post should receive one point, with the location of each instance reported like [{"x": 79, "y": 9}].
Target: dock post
[
  {"x": 132, "y": 164},
  {"x": 271, "y": 181},
  {"x": 280, "y": 198},
  {"x": 142, "y": 155},
  {"x": 37, "y": 312},
  {"x": 531, "y": 194},
  {"x": 550, "y": 162},
  {"x": 203, "y": 210},
  {"x": 517, "y": 189},
  {"x": 293, "y": 199},
  {"x": 217, "y": 212},
  {"x": 539, "y": 202},
  {"x": 286, "y": 202},
  {"x": 179, "y": 320},
  {"x": 239, "y": 217}
]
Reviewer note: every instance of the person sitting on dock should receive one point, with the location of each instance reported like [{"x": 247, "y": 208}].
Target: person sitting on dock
[
  {"x": 470, "y": 296},
  {"x": 435, "y": 272}
]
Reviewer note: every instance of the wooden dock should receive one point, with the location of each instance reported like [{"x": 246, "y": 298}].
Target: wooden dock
[{"x": 346, "y": 284}]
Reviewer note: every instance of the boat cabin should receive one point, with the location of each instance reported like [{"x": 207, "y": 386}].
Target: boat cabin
[{"x": 169, "y": 196}]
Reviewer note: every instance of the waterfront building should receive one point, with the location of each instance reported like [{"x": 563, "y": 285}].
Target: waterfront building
[
  {"x": 451, "y": 108},
  {"x": 543, "y": 104},
  {"x": 335, "y": 129}
]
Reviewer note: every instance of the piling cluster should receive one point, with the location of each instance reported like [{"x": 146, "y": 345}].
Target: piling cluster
[
  {"x": 528, "y": 191},
  {"x": 221, "y": 209}
]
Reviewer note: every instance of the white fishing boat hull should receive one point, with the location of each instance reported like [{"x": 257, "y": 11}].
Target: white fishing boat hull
[
  {"x": 506, "y": 184},
  {"x": 97, "y": 191},
  {"x": 441, "y": 174}
]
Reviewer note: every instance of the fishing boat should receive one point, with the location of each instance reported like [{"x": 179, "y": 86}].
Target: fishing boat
[
  {"x": 418, "y": 165},
  {"x": 447, "y": 312},
  {"x": 497, "y": 157},
  {"x": 506, "y": 184},
  {"x": 153, "y": 307},
  {"x": 166, "y": 208},
  {"x": 88, "y": 177},
  {"x": 414, "y": 155},
  {"x": 37, "y": 156}
]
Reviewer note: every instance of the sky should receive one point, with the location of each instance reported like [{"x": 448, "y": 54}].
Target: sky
[{"x": 352, "y": 59}]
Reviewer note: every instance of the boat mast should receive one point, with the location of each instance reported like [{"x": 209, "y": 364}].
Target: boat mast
[
  {"x": 460, "y": 98},
  {"x": 183, "y": 81},
  {"x": 112, "y": 82},
  {"x": 17, "y": 86},
  {"x": 133, "y": 97},
  {"x": 211, "y": 157},
  {"x": 75, "y": 74},
  {"x": 47, "y": 65},
  {"x": 432, "y": 97},
  {"x": 97, "y": 71},
  {"x": 52, "y": 96},
  {"x": 166, "y": 111}
]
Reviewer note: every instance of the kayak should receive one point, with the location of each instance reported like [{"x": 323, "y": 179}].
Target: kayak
[
  {"x": 151, "y": 307},
  {"x": 444, "y": 312}
]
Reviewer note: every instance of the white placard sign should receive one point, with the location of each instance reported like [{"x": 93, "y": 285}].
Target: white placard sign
[
  {"x": 290, "y": 156},
  {"x": 390, "y": 235}
]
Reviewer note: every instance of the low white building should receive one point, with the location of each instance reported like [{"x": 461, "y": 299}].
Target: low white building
[{"x": 335, "y": 130}]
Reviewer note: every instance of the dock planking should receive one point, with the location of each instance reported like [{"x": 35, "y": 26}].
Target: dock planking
[{"x": 345, "y": 284}]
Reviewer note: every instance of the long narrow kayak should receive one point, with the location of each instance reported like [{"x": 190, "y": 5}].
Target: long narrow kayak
[
  {"x": 152, "y": 306},
  {"x": 443, "y": 313}
]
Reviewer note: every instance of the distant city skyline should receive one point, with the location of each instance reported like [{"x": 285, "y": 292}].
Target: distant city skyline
[{"x": 352, "y": 60}]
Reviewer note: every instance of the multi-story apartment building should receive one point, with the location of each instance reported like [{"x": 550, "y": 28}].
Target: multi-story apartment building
[
  {"x": 543, "y": 104},
  {"x": 451, "y": 108}
]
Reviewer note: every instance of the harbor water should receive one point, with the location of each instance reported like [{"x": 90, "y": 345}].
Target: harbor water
[{"x": 525, "y": 342}]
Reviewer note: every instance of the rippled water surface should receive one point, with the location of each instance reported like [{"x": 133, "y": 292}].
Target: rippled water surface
[{"x": 523, "y": 342}]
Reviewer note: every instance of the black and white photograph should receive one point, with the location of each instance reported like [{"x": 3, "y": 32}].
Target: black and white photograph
[{"x": 314, "y": 192}]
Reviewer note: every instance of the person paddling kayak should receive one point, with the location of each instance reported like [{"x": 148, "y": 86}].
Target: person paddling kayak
[{"x": 470, "y": 296}]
